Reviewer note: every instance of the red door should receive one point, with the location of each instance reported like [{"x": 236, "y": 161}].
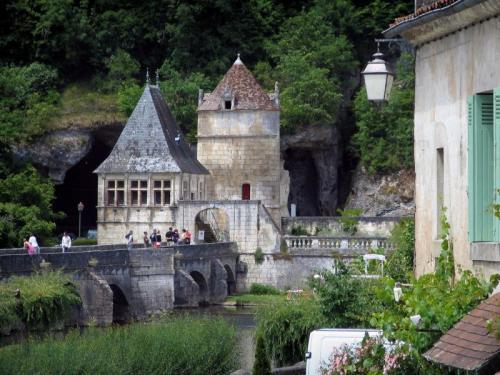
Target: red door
[{"x": 245, "y": 192}]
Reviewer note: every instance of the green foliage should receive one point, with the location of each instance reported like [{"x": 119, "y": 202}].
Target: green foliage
[
  {"x": 438, "y": 298},
  {"x": 25, "y": 207},
  {"x": 384, "y": 137},
  {"x": 121, "y": 67},
  {"x": 399, "y": 265},
  {"x": 348, "y": 219},
  {"x": 128, "y": 96},
  {"x": 299, "y": 231},
  {"x": 178, "y": 346},
  {"x": 181, "y": 93},
  {"x": 256, "y": 288},
  {"x": 285, "y": 328},
  {"x": 259, "y": 256},
  {"x": 254, "y": 299},
  {"x": 45, "y": 299},
  {"x": 261, "y": 366},
  {"x": 346, "y": 301},
  {"x": 27, "y": 101}
]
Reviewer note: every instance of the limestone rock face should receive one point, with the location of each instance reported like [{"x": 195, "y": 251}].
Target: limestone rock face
[
  {"x": 58, "y": 151},
  {"x": 389, "y": 195},
  {"x": 312, "y": 157}
]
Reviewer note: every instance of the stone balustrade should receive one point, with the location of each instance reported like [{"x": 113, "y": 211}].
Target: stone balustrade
[{"x": 358, "y": 244}]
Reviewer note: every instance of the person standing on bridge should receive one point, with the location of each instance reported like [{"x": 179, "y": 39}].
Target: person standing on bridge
[
  {"x": 130, "y": 239},
  {"x": 65, "y": 242},
  {"x": 146, "y": 239},
  {"x": 34, "y": 243}
]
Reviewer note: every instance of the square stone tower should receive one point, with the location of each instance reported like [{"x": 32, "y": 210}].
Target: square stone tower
[{"x": 239, "y": 140}]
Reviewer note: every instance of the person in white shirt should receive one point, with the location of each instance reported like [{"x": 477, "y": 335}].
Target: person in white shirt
[
  {"x": 34, "y": 243},
  {"x": 130, "y": 239},
  {"x": 65, "y": 242}
]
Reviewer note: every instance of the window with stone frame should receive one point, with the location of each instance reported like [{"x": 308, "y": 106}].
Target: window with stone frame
[
  {"x": 138, "y": 192},
  {"x": 115, "y": 192},
  {"x": 162, "y": 192},
  {"x": 200, "y": 191},
  {"x": 185, "y": 190}
]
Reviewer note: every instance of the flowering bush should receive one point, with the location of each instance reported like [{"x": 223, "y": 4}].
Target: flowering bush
[{"x": 372, "y": 357}]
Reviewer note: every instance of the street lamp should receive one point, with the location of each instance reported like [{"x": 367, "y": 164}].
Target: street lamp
[
  {"x": 80, "y": 209},
  {"x": 378, "y": 78}
]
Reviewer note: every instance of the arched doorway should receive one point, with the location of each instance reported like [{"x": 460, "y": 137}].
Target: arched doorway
[
  {"x": 231, "y": 281},
  {"x": 202, "y": 285},
  {"x": 121, "y": 314},
  {"x": 211, "y": 225}
]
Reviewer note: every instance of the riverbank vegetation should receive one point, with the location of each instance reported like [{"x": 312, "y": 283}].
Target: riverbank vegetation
[
  {"x": 183, "y": 345},
  {"x": 39, "y": 301}
]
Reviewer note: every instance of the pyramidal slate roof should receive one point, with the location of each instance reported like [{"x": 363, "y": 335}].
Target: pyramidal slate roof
[
  {"x": 240, "y": 84},
  {"x": 151, "y": 141}
]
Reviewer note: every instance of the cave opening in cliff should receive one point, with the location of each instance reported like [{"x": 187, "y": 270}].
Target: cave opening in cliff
[
  {"x": 303, "y": 182},
  {"x": 80, "y": 185}
]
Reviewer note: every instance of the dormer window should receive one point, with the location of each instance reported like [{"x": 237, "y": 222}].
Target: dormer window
[
  {"x": 227, "y": 99},
  {"x": 227, "y": 104}
]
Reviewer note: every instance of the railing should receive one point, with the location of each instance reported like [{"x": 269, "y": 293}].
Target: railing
[
  {"x": 209, "y": 219},
  {"x": 338, "y": 243}
]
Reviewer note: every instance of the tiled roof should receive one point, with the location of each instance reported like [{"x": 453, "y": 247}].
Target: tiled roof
[
  {"x": 469, "y": 345},
  {"x": 423, "y": 9},
  {"x": 241, "y": 85},
  {"x": 151, "y": 141}
]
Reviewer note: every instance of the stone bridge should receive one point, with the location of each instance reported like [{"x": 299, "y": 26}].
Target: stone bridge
[{"x": 117, "y": 284}]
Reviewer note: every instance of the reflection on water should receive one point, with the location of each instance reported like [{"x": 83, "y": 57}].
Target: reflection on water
[{"x": 242, "y": 318}]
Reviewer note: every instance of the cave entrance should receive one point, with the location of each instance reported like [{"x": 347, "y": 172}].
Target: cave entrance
[
  {"x": 303, "y": 181},
  {"x": 80, "y": 185}
]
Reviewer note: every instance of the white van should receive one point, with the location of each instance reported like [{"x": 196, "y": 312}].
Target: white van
[{"x": 323, "y": 341}]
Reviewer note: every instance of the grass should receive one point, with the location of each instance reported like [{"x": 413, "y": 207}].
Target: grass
[
  {"x": 83, "y": 107},
  {"x": 84, "y": 241},
  {"x": 45, "y": 299},
  {"x": 183, "y": 345}
]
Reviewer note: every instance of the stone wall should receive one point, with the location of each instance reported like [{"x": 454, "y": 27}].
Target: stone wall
[
  {"x": 97, "y": 299},
  {"x": 367, "y": 226},
  {"x": 283, "y": 271}
]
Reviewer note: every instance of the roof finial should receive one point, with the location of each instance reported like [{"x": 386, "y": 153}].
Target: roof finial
[
  {"x": 238, "y": 61},
  {"x": 158, "y": 78},
  {"x": 147, "y": 76}
]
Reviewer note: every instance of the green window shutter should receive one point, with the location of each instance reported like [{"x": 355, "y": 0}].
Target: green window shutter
[
  {"x": 470, "y": 168},
  {"x": 496, "y": 165},
  {"x": 481, "y": 168}
]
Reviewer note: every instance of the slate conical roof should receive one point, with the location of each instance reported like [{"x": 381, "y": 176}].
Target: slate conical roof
[
  {"x": 241, "y": 85},
  {"x": 151, "y": 141}
]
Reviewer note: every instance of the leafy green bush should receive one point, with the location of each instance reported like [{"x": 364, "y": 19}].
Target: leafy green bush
[
  {"x": 45, "y": 299},
  {"x": 258, "y": 256},
  {"x": 399, "y": 265},
  {"x": 25, "y": 207},
  {"x": 299, "y": 231},
  {"x": 261, "y": 366},
  {"x": 348, "y": 219},
  {"x": 256, "y": 288},
  {"x": 346, "y": 301},
  {"x": 121, "y": 67},
  {"x": 285, "y": 328},
  {"x": 179, "y": 346},
  {"x": 84, "y": 241},
  {"x": 384, "y": 137}
]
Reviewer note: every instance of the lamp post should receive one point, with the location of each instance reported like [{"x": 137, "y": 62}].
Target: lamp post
[
  {"x": 378, "y": 78},
  {"x": 80, "y": 209}
]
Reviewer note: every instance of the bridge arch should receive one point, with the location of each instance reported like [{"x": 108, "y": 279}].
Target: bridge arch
[
  {"x": 230, "y": 280},
  {"x": 121, "y": 310},
  {"x": 202, "y": 287},
  {"x": 214, "y": 222}
]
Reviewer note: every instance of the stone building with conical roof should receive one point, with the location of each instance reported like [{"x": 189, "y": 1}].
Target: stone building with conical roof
[
  {"x": 149, "y": 170},
  {"x": 238, "y": 140}
]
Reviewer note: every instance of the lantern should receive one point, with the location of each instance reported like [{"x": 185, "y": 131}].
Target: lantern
[{"x": 378, "y": 79}]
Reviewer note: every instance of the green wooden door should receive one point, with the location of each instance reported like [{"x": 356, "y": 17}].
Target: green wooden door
[{"x": 481, "y": 167}]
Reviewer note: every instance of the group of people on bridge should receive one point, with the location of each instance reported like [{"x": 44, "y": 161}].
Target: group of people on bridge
[{"x": 172, "y": 238}]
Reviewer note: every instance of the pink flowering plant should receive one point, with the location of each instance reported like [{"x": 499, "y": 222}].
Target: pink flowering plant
[{"x": 372, "y": 357}]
